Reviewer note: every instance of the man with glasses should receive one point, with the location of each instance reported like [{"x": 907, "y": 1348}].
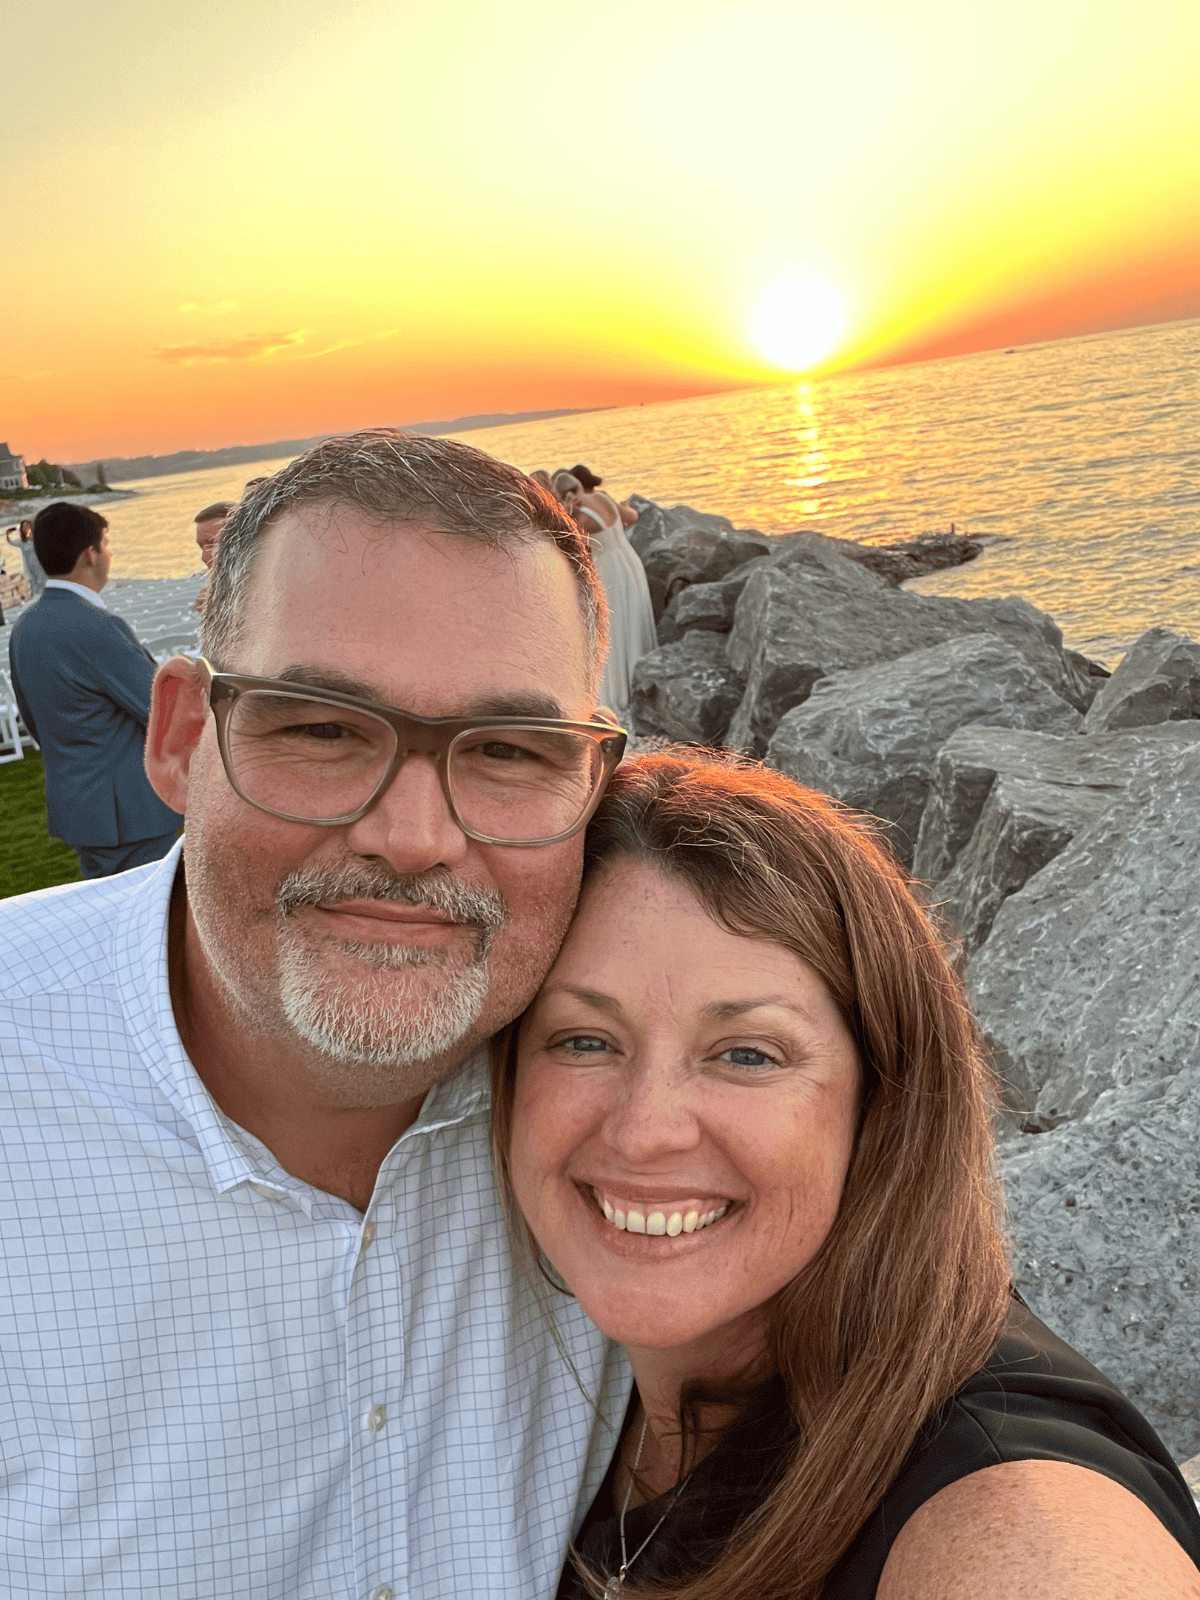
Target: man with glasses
[{"x": 263, "y": 1336}]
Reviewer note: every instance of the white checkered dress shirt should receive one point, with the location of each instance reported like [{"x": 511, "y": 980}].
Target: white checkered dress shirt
[{"x": 219, "y": 1382}]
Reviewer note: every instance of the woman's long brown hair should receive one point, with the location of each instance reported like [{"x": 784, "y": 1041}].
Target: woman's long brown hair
[{"x": 905, "y": 1299}]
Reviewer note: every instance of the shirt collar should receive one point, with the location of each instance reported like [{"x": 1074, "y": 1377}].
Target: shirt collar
[
  {"x": 84, "y": 593},
  {"x": 231, "y": 1155}
]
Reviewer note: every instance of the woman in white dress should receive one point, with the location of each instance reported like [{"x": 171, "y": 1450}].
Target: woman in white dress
[{"x": 631, "y": 620}]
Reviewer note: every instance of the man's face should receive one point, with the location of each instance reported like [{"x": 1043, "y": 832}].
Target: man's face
[
  {"x": 207, "y": 534},
  {"x": 103, "y": 562},
  {"x": 393, "y": 944}
]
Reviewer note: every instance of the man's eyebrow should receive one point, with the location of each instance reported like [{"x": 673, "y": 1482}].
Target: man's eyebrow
[
  {"x": 519, "y": 703},
  {"x": 329, "y": 678}
]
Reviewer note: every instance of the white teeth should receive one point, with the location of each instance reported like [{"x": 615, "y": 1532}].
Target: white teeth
[{"x": 658, "y": 1223}]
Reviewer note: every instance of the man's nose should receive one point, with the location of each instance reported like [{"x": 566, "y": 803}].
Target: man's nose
[{"x": 411, "y": 826}]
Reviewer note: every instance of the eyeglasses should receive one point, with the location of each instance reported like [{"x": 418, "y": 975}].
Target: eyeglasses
[{"x": 325, "y": 758}]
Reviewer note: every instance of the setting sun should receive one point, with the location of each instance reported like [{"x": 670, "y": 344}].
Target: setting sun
[{"x": 800, "y": 320}]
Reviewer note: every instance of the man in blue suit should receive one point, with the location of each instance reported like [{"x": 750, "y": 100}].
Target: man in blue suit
[{"x": 82, "y": 683}]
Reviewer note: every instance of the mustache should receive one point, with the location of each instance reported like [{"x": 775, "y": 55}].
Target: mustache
[{"x": 484, "y": 909}]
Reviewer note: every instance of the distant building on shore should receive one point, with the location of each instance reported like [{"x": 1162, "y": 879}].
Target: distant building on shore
[{"x": 12, "y": 470}]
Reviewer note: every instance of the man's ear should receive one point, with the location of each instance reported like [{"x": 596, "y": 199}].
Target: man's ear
[
  {"x": 606, "y": 714},
  {"x": 178, "y": 717}
]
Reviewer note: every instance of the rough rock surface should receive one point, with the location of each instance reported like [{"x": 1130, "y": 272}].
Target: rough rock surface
[
  {"x": 1158, "y": 681},
  {"x": 811, "y": 612},
  {"x": 707, "y": 605},
  {"x": 870, "y": 737},
  {"x": 1090, "y": 977},
  {"x": 1104, "y": 1217},
  {"x": 657, "y": 522},
  {"x": 794, "y": 624},
  {"x": 1022, "y": 827},
  {"x": 685, "y": 691},
  {"x": 972, "y": 758},
  {"x": 696, "y": 555},
  {"x": 902, "y": 559}
]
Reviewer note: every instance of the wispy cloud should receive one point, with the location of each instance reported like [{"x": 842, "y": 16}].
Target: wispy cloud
[
  {"x": 246, "y": 348},
  {"x": 23, "y": 377},
  {"x": 216, "y": 309},
  {"x": 350, "y": 344}
]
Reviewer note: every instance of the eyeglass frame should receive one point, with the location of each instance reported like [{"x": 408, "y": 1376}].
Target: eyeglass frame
[{"x": 437, "y": 734}]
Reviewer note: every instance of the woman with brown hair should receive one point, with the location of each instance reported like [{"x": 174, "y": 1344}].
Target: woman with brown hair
[{"x": 747, "y": 1123}]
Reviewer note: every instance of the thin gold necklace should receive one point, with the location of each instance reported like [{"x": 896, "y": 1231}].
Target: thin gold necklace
[{"x": 616, "y": 1585}]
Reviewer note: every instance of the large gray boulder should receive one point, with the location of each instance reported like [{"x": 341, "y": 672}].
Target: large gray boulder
[
  {"x": 1104, "y": 1219},
  {"x": 1021, "y": 828},
  {"x": 696, "y": 555},
  {"x": 1158, "y": 681},
  {"x": 795, "y": 623},
  {"x": 1090, "y": 977},
  {"x": 974, "y": 757},
  {"x": 657, "y": 522},
  {"x": 870, "y": 737},
  {"x": 709, "y": 606},
  {"x": 685, "y": 691},
  {"x": 811, "y": 612}
]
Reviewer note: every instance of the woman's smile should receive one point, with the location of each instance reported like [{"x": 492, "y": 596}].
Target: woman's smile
[{"x": 663, "y": 1218}]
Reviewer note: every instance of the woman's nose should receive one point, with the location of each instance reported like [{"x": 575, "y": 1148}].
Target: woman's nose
[{"x": 654, "y": 1114}]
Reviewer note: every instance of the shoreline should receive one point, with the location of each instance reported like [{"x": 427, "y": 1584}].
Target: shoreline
[{"x": 14, "y": 512}]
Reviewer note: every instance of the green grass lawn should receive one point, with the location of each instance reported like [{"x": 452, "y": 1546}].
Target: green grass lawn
[{"x": 29, "y": 857}]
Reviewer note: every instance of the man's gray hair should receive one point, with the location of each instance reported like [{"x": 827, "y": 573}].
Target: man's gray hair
[{"x": 400, "y": 478}]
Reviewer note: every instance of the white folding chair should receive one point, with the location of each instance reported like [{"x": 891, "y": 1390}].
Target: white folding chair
[{"x": 14, "y": 736}]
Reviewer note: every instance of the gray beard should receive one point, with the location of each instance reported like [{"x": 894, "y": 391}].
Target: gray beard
[{"x": 399, "y": 1023}]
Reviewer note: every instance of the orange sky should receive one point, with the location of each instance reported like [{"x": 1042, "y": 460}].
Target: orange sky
[{"x": 249, "y": 222}]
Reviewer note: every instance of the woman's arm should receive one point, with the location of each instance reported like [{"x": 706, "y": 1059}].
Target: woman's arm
[{"x": 1049, "y": 1529}]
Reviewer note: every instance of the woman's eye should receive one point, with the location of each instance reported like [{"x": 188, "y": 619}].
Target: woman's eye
[
  {"x": 584, "y": 1044},
  {"x": 744, "y": 1055}
]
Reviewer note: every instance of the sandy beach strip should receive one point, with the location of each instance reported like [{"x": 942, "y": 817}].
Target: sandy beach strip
[{"x": 14, "y": 512}]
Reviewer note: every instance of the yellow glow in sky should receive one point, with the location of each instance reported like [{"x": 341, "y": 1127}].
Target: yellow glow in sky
[{"x": 236, "y": 221}]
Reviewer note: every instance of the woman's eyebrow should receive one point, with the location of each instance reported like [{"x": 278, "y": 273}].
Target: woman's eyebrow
[
  {"x": 721, "y": 1009},
  {"x": 590, "y": 997}
]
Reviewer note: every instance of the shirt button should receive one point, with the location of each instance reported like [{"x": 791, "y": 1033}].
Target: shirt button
[
  {"x": 265, "y": 1190},
  {"x": 368, "y": 1235},
  {"x": 382, "y": 1593},
  {"x": 376, "y": 1418}
]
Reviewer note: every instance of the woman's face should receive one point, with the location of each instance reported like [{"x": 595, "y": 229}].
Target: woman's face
[{"x": 684, "y": 1117}]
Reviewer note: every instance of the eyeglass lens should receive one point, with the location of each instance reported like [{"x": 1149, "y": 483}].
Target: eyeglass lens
[{"x": 318, "y": 762}]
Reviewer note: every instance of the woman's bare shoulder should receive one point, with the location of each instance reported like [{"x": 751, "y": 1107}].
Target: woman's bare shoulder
[{"x": 1049, "y": 1529}]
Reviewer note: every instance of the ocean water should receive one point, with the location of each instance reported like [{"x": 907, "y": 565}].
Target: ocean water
[{"x": 1077, "y": 461}]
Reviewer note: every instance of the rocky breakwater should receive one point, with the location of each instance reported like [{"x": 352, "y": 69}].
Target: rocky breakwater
[{"x": 1053, "y": 813}]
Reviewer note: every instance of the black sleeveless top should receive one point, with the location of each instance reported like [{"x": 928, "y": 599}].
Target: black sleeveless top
[{"x": 1035, "y": 1399}]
